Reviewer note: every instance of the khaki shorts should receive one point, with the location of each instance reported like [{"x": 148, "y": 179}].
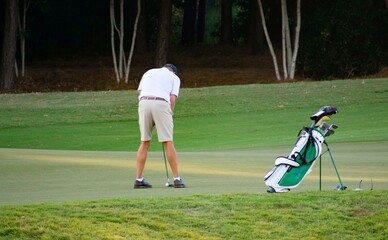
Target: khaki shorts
[{"x": 155, "y": 113}]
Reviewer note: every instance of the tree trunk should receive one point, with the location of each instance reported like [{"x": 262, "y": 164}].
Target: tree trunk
[
  {"x": 286, "y": 41},
  {"x": 226, "y": 22},
  {"x": 121, "y": 36},
  {"x": 112, "y": 38},
  {"x": 128, "y": 67},
  {"x": 7, "y": 71},
  {"x": 284, "y": 47},
  {"x": 189, "y": 20},
  {"x": 201, "y": 20},
  {"x": 162, "y": 42},
  {"x": 22, "y": 36},
  {"x": 141, "y": 36},
  {"x": 288, "y": 38},
  {"x": 296, "y": 41},
  {"x": 255, "y": 29},
  {"x": 275, "y": 62}
]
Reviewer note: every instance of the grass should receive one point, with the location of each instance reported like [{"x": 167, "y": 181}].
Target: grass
[
  {"x": 216, "y": 118},
  {"x": 308, "y": 215},
  {"x": 36, "y": 176},
  {"x": 67, "y": 163}
]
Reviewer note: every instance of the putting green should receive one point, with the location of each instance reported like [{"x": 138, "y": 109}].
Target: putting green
[{"x": 34, "y": 176}]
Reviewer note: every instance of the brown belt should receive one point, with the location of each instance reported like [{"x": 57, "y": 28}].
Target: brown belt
[{"x": 152, "y": 98}]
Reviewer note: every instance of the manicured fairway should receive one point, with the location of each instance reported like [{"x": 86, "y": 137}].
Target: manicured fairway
[
  {"x": 33, "y": 176},
  {"x": 67, "y": 165}
]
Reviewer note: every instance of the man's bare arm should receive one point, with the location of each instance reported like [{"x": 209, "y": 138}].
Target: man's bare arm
[{"x": 172, "y": 101}]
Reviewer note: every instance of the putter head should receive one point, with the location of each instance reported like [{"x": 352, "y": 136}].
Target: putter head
[{"x": 168, "y": 184}]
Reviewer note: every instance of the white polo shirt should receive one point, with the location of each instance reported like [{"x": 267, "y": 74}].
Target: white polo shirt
[{"x": 159, "y": 82}]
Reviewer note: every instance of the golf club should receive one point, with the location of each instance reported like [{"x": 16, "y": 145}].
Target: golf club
[
  {"x": 359, "y": 187},
  {"x": 168, "y": 184}
]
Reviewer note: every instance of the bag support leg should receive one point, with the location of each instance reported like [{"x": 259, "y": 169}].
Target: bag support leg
[{"x": 342, "y": 187}]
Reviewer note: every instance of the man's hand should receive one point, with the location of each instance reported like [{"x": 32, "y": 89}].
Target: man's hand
[{"x": 172, "y": 101}]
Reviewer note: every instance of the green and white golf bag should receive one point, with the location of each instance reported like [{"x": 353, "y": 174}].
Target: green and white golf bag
[{"x": 289, "y": 171}]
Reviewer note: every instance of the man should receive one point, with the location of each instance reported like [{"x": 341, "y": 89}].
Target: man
[{"x": 159, "y": 89}]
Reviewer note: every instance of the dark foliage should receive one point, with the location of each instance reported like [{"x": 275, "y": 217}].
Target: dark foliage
[{"x": 342, "y": 39}]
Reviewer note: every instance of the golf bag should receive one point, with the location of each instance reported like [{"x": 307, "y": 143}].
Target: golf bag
[{"x": 289, "y": 171}]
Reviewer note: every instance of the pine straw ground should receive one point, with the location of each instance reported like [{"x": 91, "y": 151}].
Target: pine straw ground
[{"x": 200, "y": 66}]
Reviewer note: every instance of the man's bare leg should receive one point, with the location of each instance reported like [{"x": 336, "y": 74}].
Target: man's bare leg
[
  {"x": 172, "y": 157},
  {"x": 141, "y": 158}
]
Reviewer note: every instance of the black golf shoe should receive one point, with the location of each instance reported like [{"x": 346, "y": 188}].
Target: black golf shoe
[
  {"x": 178, "y": 183},
  {"x": 142, "y": 184}
]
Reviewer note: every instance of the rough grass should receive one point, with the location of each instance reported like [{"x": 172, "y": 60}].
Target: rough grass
[{"x": 308, "y": 215}]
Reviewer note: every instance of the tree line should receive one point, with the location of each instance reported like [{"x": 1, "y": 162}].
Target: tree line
[{"x": 318, "y": 39}]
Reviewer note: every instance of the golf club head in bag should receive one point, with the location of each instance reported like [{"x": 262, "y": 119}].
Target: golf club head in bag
[
  {"x": 289, "y": 171},
  {"x": 322, "y": 112}
]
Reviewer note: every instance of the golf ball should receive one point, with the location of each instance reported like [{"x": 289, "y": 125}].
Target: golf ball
[{"x": 167, "y": 184}]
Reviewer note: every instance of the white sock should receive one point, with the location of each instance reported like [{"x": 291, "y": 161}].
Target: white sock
[
  {"x": 177, "y": 178},
  {"x": 140, "y": 179}
]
